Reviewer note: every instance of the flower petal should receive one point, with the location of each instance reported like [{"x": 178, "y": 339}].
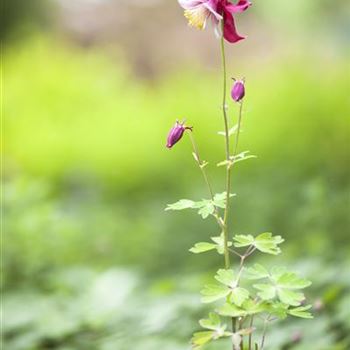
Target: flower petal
[
  {"x": 197, "y": 17},
  {"x": 189, "y": 4},
  {"x": 212, "y": 6},
  {"x": 230, "y": 31},
  {"x": 241, "y": 6}
]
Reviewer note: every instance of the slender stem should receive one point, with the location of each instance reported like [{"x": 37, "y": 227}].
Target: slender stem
[
  {"x": 227, "y": 144},
  {"x": 240, "y": 270},
  {"x": 251, "y": 333},
  {"x": 238, "y": 127},
  {"x": 248, "y": 252},
  {"x": 266, "y": 322},
  {"x": 201, "y": 165},
  {"x": 228, "y": 168},
  {"x": 234, "y": 252}
]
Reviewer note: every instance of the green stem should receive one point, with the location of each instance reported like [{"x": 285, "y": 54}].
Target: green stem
[
  {"x": 238, "y": 128},
  {"x": 251, "y": 333},
  {"x": 201, "y": 165},
  {"x": 228, "y": 169},
  {"x": 266, "y": 322}
]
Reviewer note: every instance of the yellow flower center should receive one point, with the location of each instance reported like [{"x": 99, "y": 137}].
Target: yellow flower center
[{"x": 197, "y": 17}]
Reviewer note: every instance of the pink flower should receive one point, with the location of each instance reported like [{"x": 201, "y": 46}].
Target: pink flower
[
  {"x": 238, "y": 90},
  {"x": 198, "y": 12},
  {"x": 176, "y": 133}
]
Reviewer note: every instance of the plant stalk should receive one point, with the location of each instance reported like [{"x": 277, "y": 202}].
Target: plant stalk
[
  {"x": 227, "y": 144},
  {"x": 228, "y": 168},
  {"x": 202, "y": 165}
]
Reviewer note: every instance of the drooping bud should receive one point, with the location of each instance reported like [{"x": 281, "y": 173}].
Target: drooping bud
[
  {"x": 176, "y": 133},
  {"x": 238, "y": 90}
]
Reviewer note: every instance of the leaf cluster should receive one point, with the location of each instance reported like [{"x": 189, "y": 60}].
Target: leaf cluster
[
  {"x": 251, "y": 291},
  {"x": 205, "y": 207}
]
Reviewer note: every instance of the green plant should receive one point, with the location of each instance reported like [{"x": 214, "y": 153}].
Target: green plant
[{"x": 247, "y": 294}]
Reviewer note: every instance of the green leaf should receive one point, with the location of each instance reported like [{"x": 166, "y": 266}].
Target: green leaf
[
  {"x": 267, "y": 243},
  {"x": 230, "y": 310},
  {"x": 252, "y": 307},
  {"x": 226, "y": 277},
  {"x": 301, "y": 312},
  {"x": 277, "y": 271},
  {"x": 206, "y": 210},
  {"x": 243, "y": 240},
  {"x": 243, "y": 156},
  {"x": 232, "y": 131},
  {"x": 220, "y": 199},
  {"x": 181, "y": 205},
  {"x": 282, "y": 284},
  {"x": 267, "y": 291},
  {"x": 206, "y": 206},
  {"x": 289, "y": 297},
  {"x": 277, "y": 309},
  {"x": 216, "y": 330},
  {"x": 201, "y": 338},
  {"x": 227, "y": 163},
  {"x": 220, "y": 243},
  {"x": 239, "y": 296},
  {"x": 213, "y": 292},
  {"x": 202, "y": 247},
  {"x": 249, "y": 307},
  {"x": 257, "y": 272},
  {"x": 212, "y": 323},
  {"x": 291, "y": 281}
]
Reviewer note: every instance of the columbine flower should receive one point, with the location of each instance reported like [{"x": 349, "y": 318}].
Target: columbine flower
[
  {"x": 176, "y": 133},
  {"x": 238, "y": 90},
  {"x": 198, "y": 12}
]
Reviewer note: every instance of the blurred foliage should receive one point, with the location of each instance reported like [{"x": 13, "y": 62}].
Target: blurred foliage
[
  {"x": 85, "y": 310},
  {"x": 18, "y": 15},
  {"x": 87, "y": 178}
]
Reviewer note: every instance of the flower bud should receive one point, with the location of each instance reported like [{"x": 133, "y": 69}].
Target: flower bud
[
  {"x": 176, "y": 133},
  {"x": 238, "y": 90}
]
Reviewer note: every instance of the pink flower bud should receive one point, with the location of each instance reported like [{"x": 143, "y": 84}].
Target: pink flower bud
[
  {"x": 176, "y": 133},
  {"x": 238, "y": 90}
]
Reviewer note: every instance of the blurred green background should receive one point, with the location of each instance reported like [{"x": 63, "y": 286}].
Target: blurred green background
[{"x": 90, "y": 260}]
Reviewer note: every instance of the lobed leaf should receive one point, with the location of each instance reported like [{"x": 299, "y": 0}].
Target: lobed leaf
[
  {"x": 226, "y": 277},
  {"x": 201, "y": 338},
  {"x": 243, "y": 240},
  {"x": 202, "y": 247},
  {"x": 212, "y": 323},
  {"x": 257, "y": 272},
  {"x": 181, "y": 205},
  {"x": 220, "y": 199},
  {"x": 218, "y": 244},
  {"x": 265, "y": 242},
  {"x": 243, "y": 156},
  {"x": 249, "y": 307},
  {"x": 206, "y": 209},
  {"x": 267, "y": 291},
  {"x": 301, "y": 312},
  {"x": 291, "y": 281},
  {"x": 277, "y": 309},
  {"x": 231, "y": 310},
  {"x": 213, "y": 292},
  {"x": 289, "y": 297},
  {"x": 239, "y": 296}
]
